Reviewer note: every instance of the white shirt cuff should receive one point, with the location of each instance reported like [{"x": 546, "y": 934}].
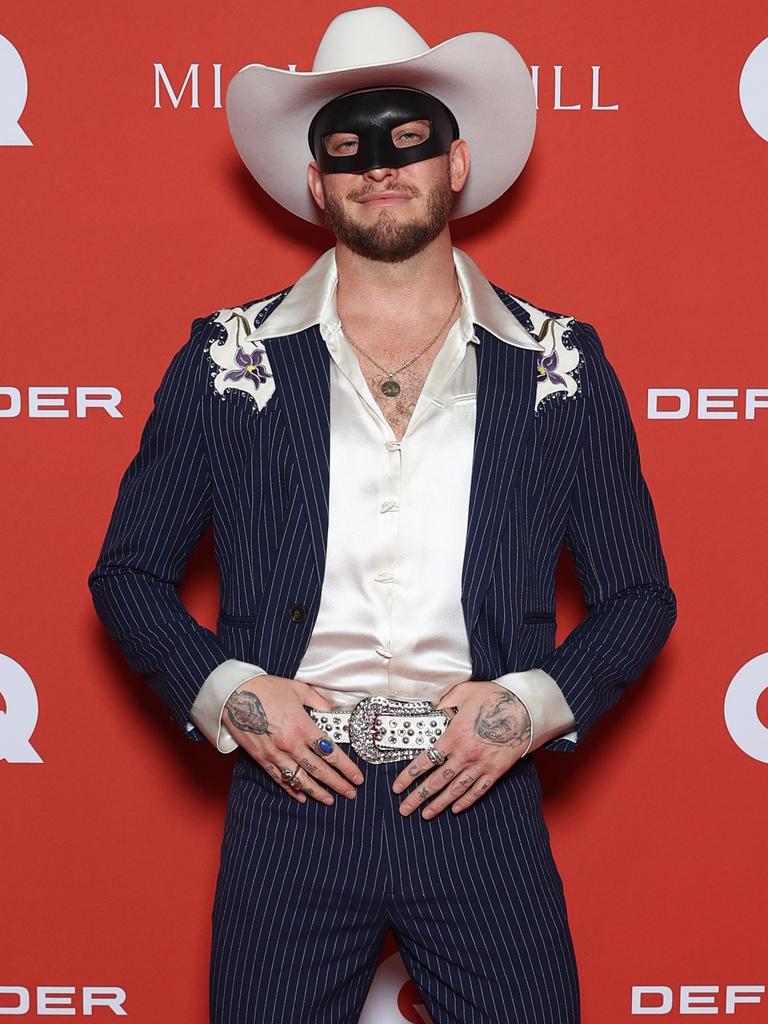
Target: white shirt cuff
[
  {"x": 550, "y": 712},
  {"x": 207, "y": 711}
]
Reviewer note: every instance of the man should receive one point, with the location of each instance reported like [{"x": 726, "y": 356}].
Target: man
[{"x": 391, "y": 452}]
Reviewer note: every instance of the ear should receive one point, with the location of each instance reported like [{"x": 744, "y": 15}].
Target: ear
[
  {"x": 314, "y": 180},
  {"x": 459, "y": 161}
]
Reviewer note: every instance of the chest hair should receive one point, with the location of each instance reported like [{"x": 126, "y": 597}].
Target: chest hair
[{"x": 398, "y": 409}]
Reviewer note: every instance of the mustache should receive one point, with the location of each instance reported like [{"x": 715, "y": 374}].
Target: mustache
[{"x": 380, "y": 191}]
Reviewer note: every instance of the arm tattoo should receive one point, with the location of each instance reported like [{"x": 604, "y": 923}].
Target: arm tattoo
[
  {"x": 247, "y": 713},
  {"x": 497, "y": 722}
]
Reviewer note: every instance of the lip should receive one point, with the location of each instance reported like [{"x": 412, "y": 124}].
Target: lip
[{"x": 386, "y": 198}]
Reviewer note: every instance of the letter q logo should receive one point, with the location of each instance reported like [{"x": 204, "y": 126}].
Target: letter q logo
[
  {"x": 741, "y": 717},
  {"x": 13, "y": 95},
  {"x": 18, "y": 721},
  {"x": 753, "y": 89}
]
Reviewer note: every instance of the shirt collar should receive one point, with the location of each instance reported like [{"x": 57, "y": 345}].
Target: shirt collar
[{"x": 312, "y": 301}]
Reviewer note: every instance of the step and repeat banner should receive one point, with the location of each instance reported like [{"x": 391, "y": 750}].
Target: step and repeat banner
[{"x": 126, "y": 214}]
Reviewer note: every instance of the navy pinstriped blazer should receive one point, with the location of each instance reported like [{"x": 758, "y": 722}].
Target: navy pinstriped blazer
[{"x": 567, "y": 472}]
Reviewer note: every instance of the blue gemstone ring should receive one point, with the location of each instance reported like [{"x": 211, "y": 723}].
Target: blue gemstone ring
[{"x": 323, "y": 745}]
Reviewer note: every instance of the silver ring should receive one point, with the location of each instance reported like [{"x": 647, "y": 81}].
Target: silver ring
[
  {"x": 288, "y": 773},
  {"x": 435, "y": 755}
]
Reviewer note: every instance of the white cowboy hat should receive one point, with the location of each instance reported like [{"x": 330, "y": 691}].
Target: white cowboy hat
[{"x": 479, "y": 76}]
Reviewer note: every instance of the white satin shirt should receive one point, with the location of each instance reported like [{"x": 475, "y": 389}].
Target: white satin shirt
[{"x": 390, "y": 620}]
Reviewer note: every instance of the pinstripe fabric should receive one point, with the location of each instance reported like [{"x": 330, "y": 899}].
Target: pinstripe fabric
[
  {"x": 474, "y": 900},
  {"x": 568, "y": 472}
]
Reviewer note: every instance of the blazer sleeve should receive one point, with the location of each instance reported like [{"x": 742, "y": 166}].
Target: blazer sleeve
[
  {"x": 162, "y": 509},
  {"x": 613, "y": 537},
  {"x": 207, "y": 713}
]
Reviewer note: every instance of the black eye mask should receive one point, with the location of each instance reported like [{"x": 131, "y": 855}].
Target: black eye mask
[{"x": 372, "y": 114}]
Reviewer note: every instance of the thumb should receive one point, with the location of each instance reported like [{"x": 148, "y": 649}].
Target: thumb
[
  {"x": 451, "y": 698},
  {"x": 310, "y": 696}
]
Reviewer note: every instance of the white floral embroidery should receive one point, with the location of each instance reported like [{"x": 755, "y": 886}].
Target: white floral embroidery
[
  {"x": 557, "y": 365},
  {"x": 243, "y": 364}
]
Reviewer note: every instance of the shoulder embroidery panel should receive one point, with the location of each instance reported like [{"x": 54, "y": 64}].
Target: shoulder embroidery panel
[
  {"x": 240, "y": 366},
  {"x": 557, "y": 367}
]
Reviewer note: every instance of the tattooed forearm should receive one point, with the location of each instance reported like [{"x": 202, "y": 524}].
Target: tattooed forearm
[
  {"x": 246, "y": 712},
  {"x": 503, "y": 720}
]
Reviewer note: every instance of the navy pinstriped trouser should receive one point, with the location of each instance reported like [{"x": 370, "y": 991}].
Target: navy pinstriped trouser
[{"x": 306, "y": 893}]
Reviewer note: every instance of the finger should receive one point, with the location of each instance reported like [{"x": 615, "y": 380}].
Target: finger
[
  {"x": 304, "y": 783},
  {"x": 420, "y": 764},
  {"x": 310, "y": 697},
  {"x": 274, "y": 771},
  {"x": 320, "y": 771},
  {"x": 455, "y": 791},
  {"x": 434, "y": 783},
  {"x": 451, "y": 697},
  {"x": 341, "y": 761},
  {"x": 482, "y": 785},
  {"x": 285, "y": 754},
  {"x": 300, "y": 791}
]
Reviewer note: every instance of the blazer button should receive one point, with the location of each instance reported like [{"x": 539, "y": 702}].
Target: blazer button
[{"x": 298, "y": 612}]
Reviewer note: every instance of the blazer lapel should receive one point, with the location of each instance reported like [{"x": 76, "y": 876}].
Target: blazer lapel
[
  {"x": 300, "y": 364},
  {"x": 506, "y": 385}
]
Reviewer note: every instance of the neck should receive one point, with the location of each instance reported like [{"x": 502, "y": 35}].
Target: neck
[{"x": 418, "y": 289}]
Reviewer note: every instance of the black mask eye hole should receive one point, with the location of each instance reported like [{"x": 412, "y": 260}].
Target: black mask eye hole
[
  {"x": 413, "y": 133},
  {"x": 340, "y": 143},
  {"x": 405, "y": 135}
]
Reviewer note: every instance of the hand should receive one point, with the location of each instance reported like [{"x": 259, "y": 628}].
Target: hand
[
  {"x": 485, "y": 737},
  {"x": 267, "y": 718}
]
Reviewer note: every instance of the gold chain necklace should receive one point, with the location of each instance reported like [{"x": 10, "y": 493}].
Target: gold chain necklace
[{"x": 390, "y": 387}]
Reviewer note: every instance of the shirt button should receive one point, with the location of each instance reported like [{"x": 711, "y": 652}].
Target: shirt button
[
  {"x": 392, "y": 446},
  {"x": 384, "y": 652},
  {"x": 389, "y": 506},
  {"x": 384, "y": 577}
]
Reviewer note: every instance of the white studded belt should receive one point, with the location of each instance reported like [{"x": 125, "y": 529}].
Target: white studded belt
[{"x": 385, "y": 728}]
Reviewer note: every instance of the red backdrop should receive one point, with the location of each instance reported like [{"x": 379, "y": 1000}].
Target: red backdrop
[{"x": 125, "y": 219}]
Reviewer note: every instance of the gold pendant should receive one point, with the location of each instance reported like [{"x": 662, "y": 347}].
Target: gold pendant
[{"x": 390, "y": 388}]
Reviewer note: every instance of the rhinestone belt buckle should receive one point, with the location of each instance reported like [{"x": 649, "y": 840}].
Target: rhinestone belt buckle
[{"x": 363, "y": 728}]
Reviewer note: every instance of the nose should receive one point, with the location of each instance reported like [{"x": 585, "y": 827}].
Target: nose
[{"x": 380, "y": 173}]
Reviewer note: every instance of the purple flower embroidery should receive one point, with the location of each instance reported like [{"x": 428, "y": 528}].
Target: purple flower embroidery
[
  {"x": 545, "y": 369},
  {"x": 547, "y": 365},
  {"x": 251, "y": 365}
]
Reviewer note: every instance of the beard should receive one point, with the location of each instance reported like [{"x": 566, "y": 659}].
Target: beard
[{"x": 390, "y": 240}]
